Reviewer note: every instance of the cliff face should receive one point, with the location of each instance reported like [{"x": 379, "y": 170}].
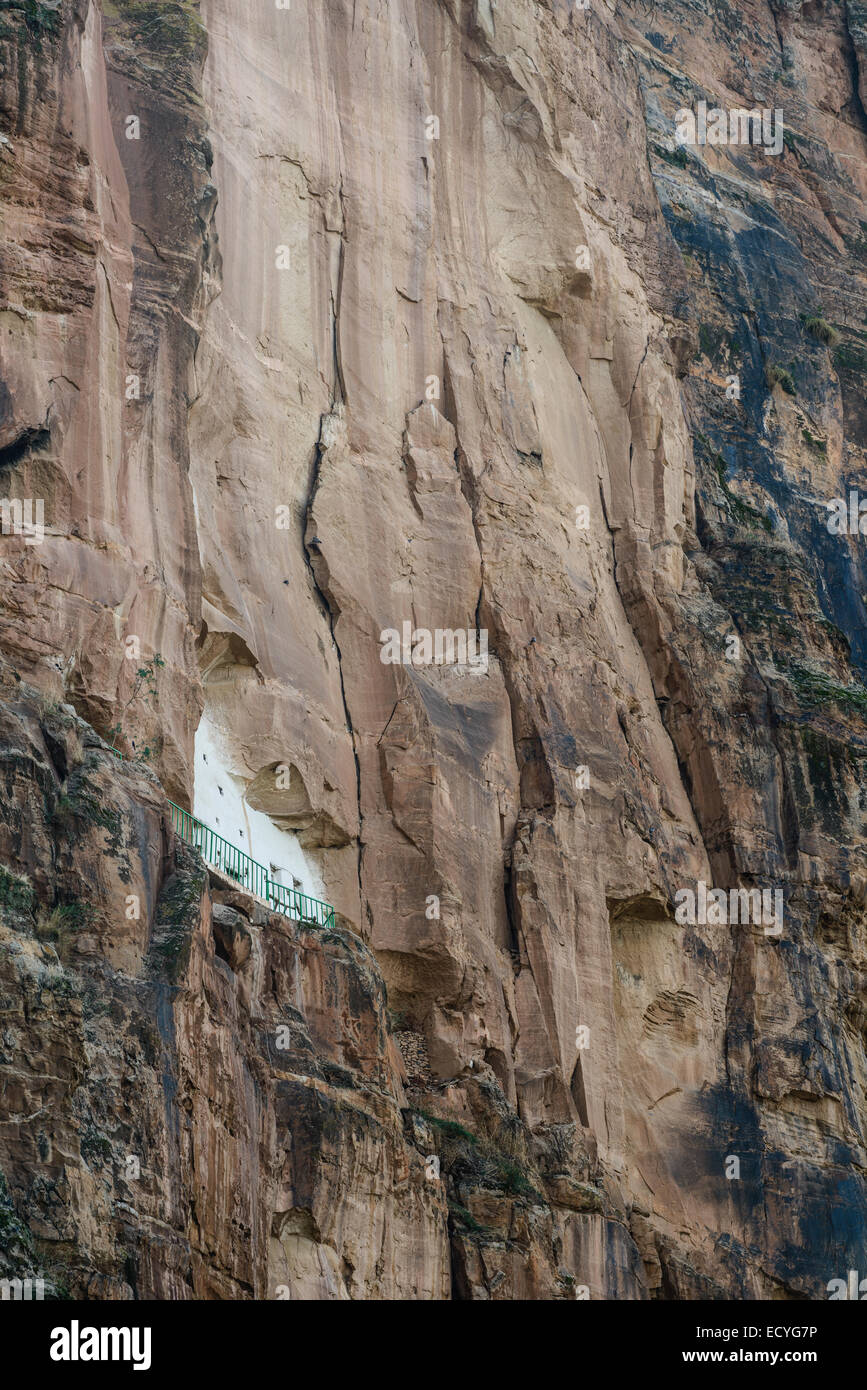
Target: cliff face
[{"x": 321, "y": 320}]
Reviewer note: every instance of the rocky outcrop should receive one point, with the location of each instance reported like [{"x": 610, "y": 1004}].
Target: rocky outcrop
[
  {"x": 328, "y": 319},
  {"x": 201, "y": 1099}
]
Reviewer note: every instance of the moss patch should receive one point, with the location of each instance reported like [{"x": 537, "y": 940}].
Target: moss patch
[
  {"x": 170, "y": 34},
  {"x": 177, "y": 912},
  {"x": 84, "y": 805},
  {"x": 678, "y": 157},
  {"x": 819, "y": 446},
  {"x": 850, "y": 357},
  {"x": 16, "y": 893},
  {"x": 17, "y": 1251},
  {"x": 36, "y": 19},
  {"x": 482, "y": 1159},
  {"x": 717, "y": 343},
  {"x": 813, "y": 688},
  {"x": 63, "y": 923},
  {"x": 462, "y": 1217},
  {"x": 95, "y": 1147},
  {"x": 742, "y": 513}
]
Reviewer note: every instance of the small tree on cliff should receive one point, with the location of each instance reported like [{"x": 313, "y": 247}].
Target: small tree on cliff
[{"x": 143, "y": 686}]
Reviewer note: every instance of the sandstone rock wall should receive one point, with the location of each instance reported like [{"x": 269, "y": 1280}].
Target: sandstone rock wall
[{"x": 289, "y": 373}]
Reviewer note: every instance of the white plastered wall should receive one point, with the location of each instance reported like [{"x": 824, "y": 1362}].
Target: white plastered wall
[{"x": 219, "y": 803}]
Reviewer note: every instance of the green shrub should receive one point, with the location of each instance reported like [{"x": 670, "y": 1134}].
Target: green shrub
[
  {"x": 496, "y": 1160},
  {"x": 819, "y": 328},
  {"x": 677, "y": 156},
  {"x": 813, "y": 442},
  {"x": 466, "y": 1218},
  {"x": 781, "y": 376},
  {"x": 62, "y": 923},
  {"x": 15, "y": 891}
]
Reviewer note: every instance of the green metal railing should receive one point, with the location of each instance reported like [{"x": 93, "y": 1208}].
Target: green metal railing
[{"x": 247, "y": 872}]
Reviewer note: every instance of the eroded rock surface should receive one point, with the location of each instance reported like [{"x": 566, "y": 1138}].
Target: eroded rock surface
[{"x": 419, "y": 313}]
